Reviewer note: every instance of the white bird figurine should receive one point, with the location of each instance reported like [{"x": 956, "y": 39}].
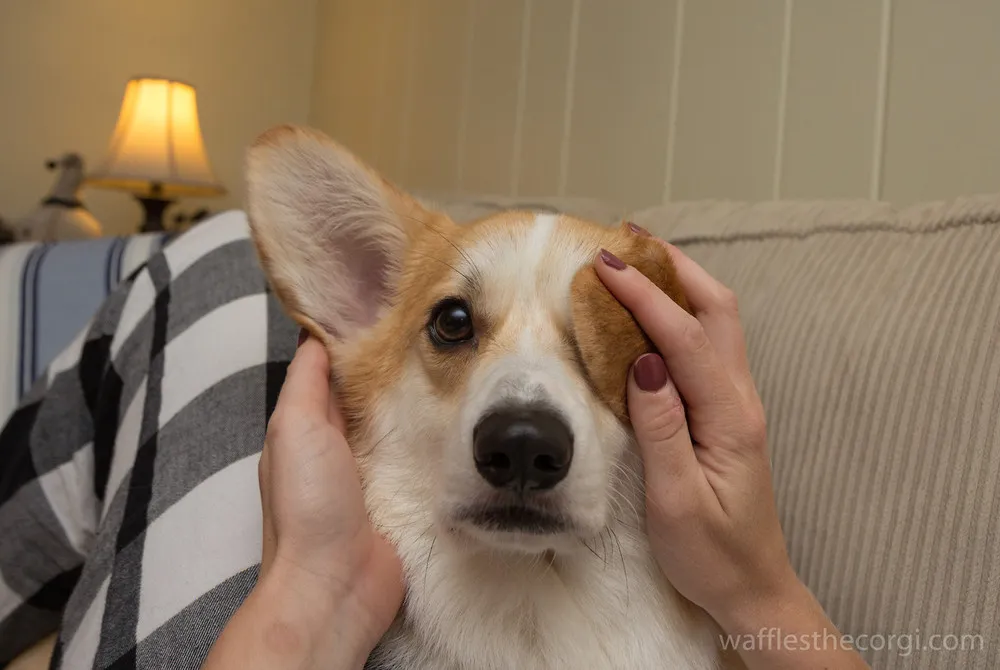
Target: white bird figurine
[{"x": 61, "y": 215}]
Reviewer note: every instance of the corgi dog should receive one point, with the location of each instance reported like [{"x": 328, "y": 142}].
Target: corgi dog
[{"x": 482, "y": 371}]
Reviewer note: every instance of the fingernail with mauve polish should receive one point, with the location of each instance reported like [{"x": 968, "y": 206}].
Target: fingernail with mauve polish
[
  {"x": 611, "y": 260},
  {"x": 638, "y": 230},
  {"x": 303, "y": 336},
  {"x": 650, "y": 373}
]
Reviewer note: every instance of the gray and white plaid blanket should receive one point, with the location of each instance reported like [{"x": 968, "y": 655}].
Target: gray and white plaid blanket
[{"x": 129, "y": 506}]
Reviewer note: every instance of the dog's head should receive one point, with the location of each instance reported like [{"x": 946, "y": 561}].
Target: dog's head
[{"x": 482, "y": 368}]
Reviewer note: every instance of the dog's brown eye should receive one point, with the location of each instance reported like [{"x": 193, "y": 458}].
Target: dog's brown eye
[{"x": 451, "y": 322}]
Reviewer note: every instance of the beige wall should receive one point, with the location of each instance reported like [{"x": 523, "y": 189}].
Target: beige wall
[
  {"x": 640, "y": 101},
  {"x": 64, "y": 64},
  {"x": 636, "y": 101}
]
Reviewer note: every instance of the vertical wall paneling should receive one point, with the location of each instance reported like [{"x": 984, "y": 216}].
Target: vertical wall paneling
[
  {"x": 489, "y": 147},
  {"x": 675, "y": 93},
  {"x": 620, "y": 103},
  {"x": 379, "y": 75},
  {"x": 463, "y": 122},
  {"x": 567, "y": 129},
  {"x": 347, "y": 53},
  {"x": 881, "y": 100},
  {"x": 542, "y": 115},
  {"x": 436, "y": 94},
  {"x": 395, "y": 77},
  {"x": 942, "y": 124},
  {"x": 729, "y": 98},
  {"x": 650, "y": 101},
  {"x": 409, "y": 44},
  {"x": 522, "y": 84},
  {"x": 786, "y": 61},
  {"x": 830, "y": 115},
  {"x": 391, "y": 74}
]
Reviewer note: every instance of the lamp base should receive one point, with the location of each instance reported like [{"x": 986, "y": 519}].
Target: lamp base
[{"x": 152, "y": 208}]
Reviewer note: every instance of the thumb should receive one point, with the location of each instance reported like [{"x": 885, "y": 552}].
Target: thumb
[{"x": 660, "y": 425}]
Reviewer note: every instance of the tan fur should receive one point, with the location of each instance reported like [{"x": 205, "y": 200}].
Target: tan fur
[
  {"x": 608, "y": 337},
  {"x": 541, "y": 318}
]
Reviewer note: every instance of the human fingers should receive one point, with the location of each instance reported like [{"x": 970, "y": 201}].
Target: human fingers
[
  {"x": 661, "y": 429},
  {"x": 305, "y": 394},
  {"x": 690, "y": 355},
  {"x": 714, "y": 304},
  {"x": 717, "y": 309}
]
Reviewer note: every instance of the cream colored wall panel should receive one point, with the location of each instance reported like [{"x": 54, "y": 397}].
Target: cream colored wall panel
[
  {"x": 545, "y": 97},
  {"x": 347, "y": 77},
  {"x": 943, "y": 124},
  {"x": 436, "y": 108},
  {"x": 831, "y": 101},
  {"x": 579, "y": 96},
  {"x": 492, "y": 99},
  {"x": 392, "y": 113},
  {"x": 619, "y": 122},
  {"x": 728, "y": 108}
]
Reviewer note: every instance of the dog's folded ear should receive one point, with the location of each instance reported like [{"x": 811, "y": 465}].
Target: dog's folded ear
[
  {"x": 607, "y": 335},
  {"x": 329, "y": 231}
]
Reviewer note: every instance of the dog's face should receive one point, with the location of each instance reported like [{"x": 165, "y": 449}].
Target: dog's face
[{"x": 482, "y": 367}]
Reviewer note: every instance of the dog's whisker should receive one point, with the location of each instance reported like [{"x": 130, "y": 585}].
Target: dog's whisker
[
  {"x": 447, "y": 264},
  {"x": 437, "y": 231},
  {"x": 631, "y": 482},
  {"x": 377, "y": 443},
  {"x": 631, "y": 521},
  {"x": 617, "y": 501},
  {"x": 427, "y": 563},
  {"x": 590, "y": 549},
  {"x": 624, "y": 568}
]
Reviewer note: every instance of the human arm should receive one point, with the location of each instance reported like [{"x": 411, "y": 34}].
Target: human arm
[{"x": 711, "y": 514}]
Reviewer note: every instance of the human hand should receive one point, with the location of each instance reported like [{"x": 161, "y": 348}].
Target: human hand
[
  {"x": 329, "y": 584},
  {"x": 699, "y": 422},
  {"x": 710, "y": 509},
  {"x": 315, "y": 522}
]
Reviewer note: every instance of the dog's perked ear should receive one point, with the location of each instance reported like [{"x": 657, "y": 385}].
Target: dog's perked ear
[
  {"x": 607, "y": 336},
  {"x": 330, "y": 232}
]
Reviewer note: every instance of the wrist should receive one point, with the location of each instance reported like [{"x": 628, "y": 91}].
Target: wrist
[
  {"x": 316, "y": 616},
  {"x": 787, "y": 628},
  {"x": 785, "y": 599}
]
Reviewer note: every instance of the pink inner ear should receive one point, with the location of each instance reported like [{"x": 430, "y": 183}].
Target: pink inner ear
[{"x": 367, "y": 269}]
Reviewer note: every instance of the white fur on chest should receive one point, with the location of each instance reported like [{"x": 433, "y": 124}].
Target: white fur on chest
[{"x": 609, "y": 610}]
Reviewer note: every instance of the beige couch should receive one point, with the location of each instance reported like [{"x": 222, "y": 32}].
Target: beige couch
[{"x": 874, "y": 337}]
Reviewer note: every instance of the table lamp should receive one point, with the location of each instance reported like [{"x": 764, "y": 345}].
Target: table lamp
[{"x": 156, "y": 151}]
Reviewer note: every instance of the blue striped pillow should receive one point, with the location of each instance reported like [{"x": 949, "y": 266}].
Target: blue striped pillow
[{"x": 48, "y": 293}]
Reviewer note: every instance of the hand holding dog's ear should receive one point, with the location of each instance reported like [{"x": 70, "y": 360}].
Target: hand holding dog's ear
[
  {"x": 706, "y": 455},
  {"x": 711, "y": 515},
  {"x": 330, "y": 585},
  {"x": 314, "y": 509}
]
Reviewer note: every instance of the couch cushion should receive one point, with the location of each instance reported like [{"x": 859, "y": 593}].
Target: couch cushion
[{"x": 874, "y": 337}]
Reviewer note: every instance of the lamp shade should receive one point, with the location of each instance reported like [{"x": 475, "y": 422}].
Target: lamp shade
[{"x": 157, "y": 149}]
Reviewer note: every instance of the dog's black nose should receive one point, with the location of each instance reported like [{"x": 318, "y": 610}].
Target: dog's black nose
[{"x": 522, "y": 448}]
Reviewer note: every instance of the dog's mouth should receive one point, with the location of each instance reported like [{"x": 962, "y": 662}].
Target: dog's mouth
[{"x": 513, "y": 518}]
